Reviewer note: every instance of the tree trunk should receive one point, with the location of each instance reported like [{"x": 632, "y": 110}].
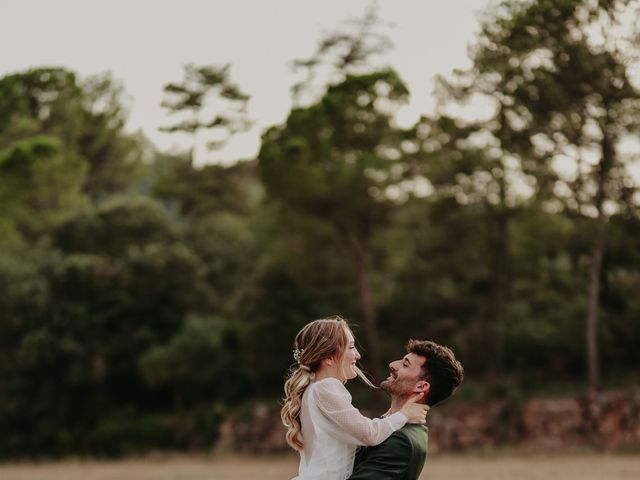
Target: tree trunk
[
  {"x": 595, "y": 270},
  {"x": 360, "y": 257},
  {"x": 591, "y": 330},
  {"x": 500, "y": 285}
]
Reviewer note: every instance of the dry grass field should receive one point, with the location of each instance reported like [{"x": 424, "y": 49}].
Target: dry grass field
[{"x": 438, "y": 467}]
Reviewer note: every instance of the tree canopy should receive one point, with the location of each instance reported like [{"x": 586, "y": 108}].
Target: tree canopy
[{"x": 143, "y": 303}]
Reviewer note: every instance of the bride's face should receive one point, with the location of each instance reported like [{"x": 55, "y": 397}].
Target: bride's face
[{"x": 349, "y": 358}]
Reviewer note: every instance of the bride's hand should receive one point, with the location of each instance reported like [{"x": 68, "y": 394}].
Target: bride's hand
[{"x": 415, "y": 412}]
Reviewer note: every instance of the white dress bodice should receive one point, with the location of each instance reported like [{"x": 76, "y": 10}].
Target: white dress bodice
[{"x": 332, "y": 429}]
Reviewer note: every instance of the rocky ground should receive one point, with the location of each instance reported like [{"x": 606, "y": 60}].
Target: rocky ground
[{"x": 610, "y": 423}]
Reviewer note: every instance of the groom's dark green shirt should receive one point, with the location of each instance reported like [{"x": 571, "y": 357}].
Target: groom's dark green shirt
[{"x": 399, "y": 457}]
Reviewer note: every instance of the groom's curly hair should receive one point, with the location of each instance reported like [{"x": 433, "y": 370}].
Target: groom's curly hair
[{"x": 441, "y": 369}]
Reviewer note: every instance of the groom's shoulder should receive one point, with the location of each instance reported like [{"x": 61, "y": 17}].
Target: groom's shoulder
[
  {"x": 401, "y": 456},
  {"x": 410, "y": 437},
  {"x": 413, "y": 429},
  {"x": 416, "y": 435}
]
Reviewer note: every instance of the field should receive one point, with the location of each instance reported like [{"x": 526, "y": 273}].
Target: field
[{"x": 462, "y": 467}]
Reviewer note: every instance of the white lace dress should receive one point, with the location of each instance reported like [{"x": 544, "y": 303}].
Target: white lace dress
[{"x": 332, "y": 429}]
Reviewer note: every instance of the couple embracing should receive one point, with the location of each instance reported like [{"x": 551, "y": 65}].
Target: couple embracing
[{"x": 337, "y": 442}]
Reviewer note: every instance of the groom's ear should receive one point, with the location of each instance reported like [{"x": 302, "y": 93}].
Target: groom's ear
[{"x": 423, "y": 387}]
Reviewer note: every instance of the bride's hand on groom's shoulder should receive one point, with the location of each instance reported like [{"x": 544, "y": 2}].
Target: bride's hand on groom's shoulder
[{"x": 415, "y": 412}]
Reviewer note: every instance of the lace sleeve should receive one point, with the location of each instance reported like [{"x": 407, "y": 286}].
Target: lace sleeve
[{"x": 346, "y": 421}]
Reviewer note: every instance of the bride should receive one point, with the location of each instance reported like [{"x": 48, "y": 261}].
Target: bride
[{"x": 321, "y": 422}]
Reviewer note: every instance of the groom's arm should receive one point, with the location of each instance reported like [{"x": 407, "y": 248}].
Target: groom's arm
[{"x": 386, "y": 461}]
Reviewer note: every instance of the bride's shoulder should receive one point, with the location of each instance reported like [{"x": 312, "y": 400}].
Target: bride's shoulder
[
  {"x": 329, "y": 384},
  {"x": 329, "y": 394},
  {"x": 328, "y": 381}
]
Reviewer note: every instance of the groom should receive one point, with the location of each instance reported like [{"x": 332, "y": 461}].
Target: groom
[{"x": 427, "y": 368}]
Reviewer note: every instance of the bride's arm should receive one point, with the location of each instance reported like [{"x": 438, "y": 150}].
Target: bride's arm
[{"x": 346, "y": 423}]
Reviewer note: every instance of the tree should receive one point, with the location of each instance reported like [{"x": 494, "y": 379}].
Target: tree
[
  {"x": 563, "y": 95},
  {"x": 473, "y": 183},
  {"x": 39, "y": 185},
  {"x": 86, "y": 117},
  {"x": 206, "y": 100},
  {"x": 350, "y": 49},
  {"x": 334, "y": 162},
  {"x": 114, "y": 156},
  {"x": 200, "y": 192}
]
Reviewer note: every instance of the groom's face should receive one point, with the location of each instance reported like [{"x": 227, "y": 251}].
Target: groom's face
[{"x": 404, "y": 376}]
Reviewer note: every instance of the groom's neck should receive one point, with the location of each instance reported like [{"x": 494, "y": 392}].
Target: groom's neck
[{"x": 397, "y": 403}]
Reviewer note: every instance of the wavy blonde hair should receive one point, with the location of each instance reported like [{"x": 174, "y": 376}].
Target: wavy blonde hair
[{"x": 320, "y": 339}]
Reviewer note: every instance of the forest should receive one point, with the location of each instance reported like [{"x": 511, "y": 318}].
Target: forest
[{"x": 144, "y": 299}]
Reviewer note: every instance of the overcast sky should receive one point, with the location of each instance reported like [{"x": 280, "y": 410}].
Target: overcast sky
[{"x": 145, "y": 43}]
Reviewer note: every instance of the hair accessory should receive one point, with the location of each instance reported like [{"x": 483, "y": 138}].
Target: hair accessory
[{"x": 297, "y": 353}]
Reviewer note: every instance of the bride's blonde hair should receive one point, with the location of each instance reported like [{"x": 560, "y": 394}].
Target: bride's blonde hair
[{"x": 320, "y": 339}]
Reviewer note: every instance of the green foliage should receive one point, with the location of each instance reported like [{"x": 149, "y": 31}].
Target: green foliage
[
  {"x": 200, "y": 192},
  {"x": 349, "y": 49},
  {"x": 38, "y": 185},
  {"x": 561, "y": 99},
  {"x": 193, "y": 97},
  {"x": 104, "y": 305},
  {"x": 333, "y": 162},
  {"x": 114, "y": 226},
  {"x": 187, "y": 363},
  {"x": 130, "y": 323},
  {"x": 86, "y": 117},
  {"x": 125, "y": 431}
]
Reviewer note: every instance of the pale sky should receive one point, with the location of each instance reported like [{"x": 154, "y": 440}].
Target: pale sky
[{"x": 145, "y": 43}]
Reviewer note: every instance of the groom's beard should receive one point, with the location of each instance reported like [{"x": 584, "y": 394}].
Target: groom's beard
[{"x": 398, "y": 388}]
